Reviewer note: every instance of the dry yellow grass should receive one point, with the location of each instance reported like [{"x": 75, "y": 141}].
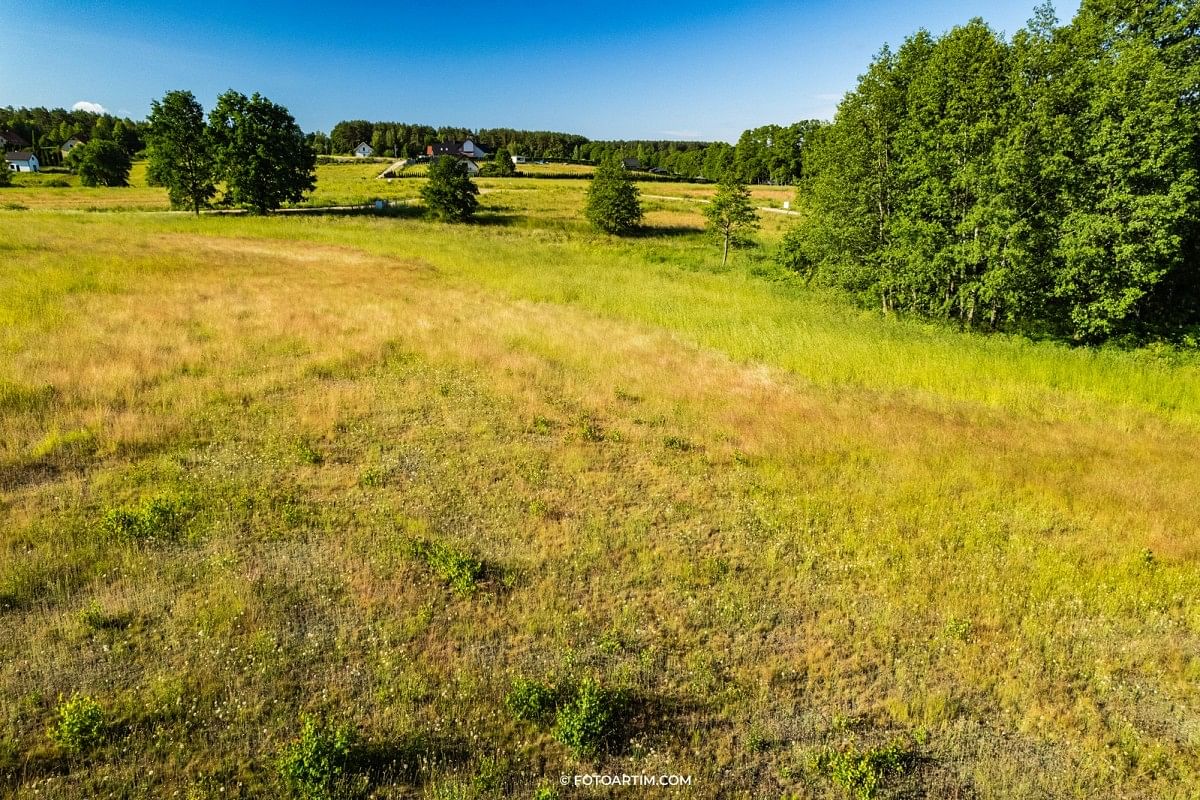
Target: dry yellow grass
[{"x": 778, "y": 543}]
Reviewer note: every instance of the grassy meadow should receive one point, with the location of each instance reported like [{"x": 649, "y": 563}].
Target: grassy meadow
[{"x": 389, "y": 474}]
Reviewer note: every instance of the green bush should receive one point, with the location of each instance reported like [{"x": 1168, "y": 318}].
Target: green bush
[
  {"x": 313, "y": 764},
  {"x": 460, "y": 569},
  {"x": 589, "y": 719},
  {"x": 531, "y": 700},
  {"x": 862, "y": 774},
  {"x": 80, "y": 724},
  {"x": 590, "y": 430},
  {"x": 156, "y": 519}
]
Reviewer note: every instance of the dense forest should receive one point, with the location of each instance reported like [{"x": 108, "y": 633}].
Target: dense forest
[
  {"x": 46, "y": 129},
  {"x": 768, "y": 154},
  {"x": 1048, "y": 184}
]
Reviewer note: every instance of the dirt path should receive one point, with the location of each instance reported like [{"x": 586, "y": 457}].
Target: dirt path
[{"x": 396, "y": 166}]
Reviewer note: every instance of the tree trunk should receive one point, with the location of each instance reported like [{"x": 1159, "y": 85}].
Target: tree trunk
[{"x": 725, "y": 254}]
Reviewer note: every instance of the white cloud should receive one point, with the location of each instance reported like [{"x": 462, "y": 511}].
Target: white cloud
[{"x": 87, "y": 105}]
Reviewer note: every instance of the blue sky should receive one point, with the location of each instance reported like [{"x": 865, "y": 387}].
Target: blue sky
[{"x": 664, "y": 69}]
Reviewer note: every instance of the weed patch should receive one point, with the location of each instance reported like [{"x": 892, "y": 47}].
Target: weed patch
[
  {"x": 460, "y": 569},
  {"x": 313, "y": 765},
  {"x": 863, "y": 774},
  {"x": 587, "y": 717},
  {"x": 158, "y": 519},
  {"x": 80, "y": 725}
]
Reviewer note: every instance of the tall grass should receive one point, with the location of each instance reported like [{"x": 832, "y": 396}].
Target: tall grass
[{"x": 786, "y": 532}]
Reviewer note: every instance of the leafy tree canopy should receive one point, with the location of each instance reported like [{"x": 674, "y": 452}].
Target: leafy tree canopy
[
  {"x": 501, "y": 165},
  {"x": 181, "y": 150},
  {"x": 100, "y": 162},
  {"x": 262, "y": 155},
  {"x": 731, "y": 216},
  {"x": 613, "y": 202},
  {"x": 1048, "y": 184},
  {"x": 449, "y": 193}
]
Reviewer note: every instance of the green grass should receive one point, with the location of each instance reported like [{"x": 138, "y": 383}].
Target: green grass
[{"x": 380, "y": 471}]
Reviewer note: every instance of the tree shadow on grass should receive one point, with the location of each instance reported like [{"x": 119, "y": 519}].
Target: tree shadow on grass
[
  {"x": 489, "y": 219},
  {"x": 411, "y": 759},
  {"x": 657, "y": 718},
  {"x": 664, "y": 231}
]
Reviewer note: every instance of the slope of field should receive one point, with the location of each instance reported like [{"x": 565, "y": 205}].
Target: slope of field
[{"x": 379, "y": 470}]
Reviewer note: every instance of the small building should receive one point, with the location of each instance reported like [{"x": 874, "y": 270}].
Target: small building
[
  {"x": 71, "y": 144},
  {"x": 364, "y": 150},
  {"x": 22, "y": 161},
  {"x": 631, "y": 163},
  {"x": 463, "y": 149},
  {"x": 10, "y": 140},
  {"x": 518, "y": 160}
]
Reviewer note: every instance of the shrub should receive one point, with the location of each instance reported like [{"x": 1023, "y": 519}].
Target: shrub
[
  {"x": 863, "y": 774},
  {"x": 589, "y": 719},
  {"x": 530, "y": 700},
  {"x": 590, "y": 430},
  {"x": 460, "y": 569},
  {"x": 80, "y": 724},
  {"x": 159, "y": 518},
  {"x": 677, "y": 443},
  {"x": 313, "y": 764}
]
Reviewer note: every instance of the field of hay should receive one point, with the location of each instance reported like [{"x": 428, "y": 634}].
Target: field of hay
[{"x": 453, "y": 489}]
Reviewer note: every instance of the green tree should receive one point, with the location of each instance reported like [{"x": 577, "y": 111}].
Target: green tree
[
  {"x": 102, "y": 128},
  {"x": 613, "y": 203},
  {"x": 5, "y": 175},
  {"x": 100, "y": 162},
  {"x": 126, "y": 134},
  {"x": 262, "y": 155},
  {"x": 1049, "y": 184},
  {"x": 731, "y": 216},
  {"x": 181, "y": 151},
  {"x": 1127, "y": 253},
  {"x": 449, "y": 193},
  {"x": 501, "y": 165}
]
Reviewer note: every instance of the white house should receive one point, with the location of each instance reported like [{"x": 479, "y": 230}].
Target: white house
[
  {"x": 364, "y": 150},
  {"x": 70, "y": 144},
  {"x": 22, "y": 161},
  {"x": 518, "y": 160}
]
